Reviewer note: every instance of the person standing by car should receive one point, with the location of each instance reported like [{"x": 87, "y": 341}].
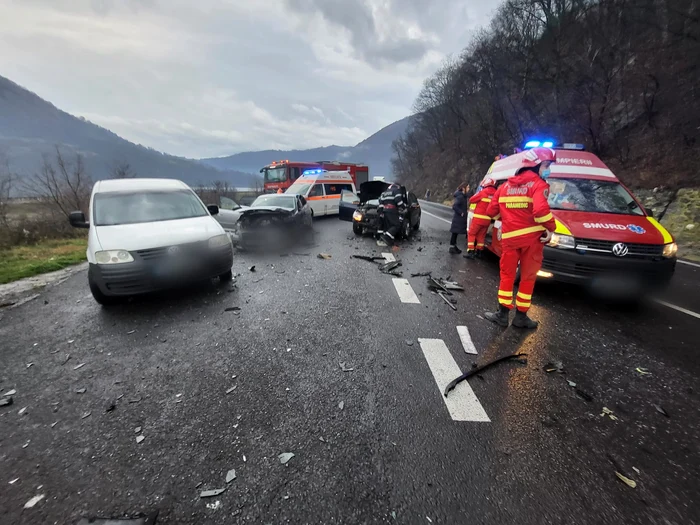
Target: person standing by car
[
  {"x": 526, "y": 225},
  {"x": 459, "y": 217},
  {"x": 394, "y": 206},
  {"x": 480, "y": 220}
]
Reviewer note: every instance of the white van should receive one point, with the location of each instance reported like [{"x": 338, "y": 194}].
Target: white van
[
  {"x": 322, "y": 190},
  {"x": 150, "y": 234}
]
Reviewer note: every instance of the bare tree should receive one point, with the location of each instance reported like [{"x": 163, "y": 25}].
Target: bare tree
[
  {"x": 64, "y": 184},
  {"x": 122, "y": 170},
  {"x": 6, "y": 183}
]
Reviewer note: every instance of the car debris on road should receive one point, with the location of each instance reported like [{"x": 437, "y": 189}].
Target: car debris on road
[
  {"x": 34, "y": 501},
  {"x": 452, "y": 384},
  {"x": 211, "y": 493},
  {"x": 6, "y": 401},
  {"x": 285, "y": 457}
]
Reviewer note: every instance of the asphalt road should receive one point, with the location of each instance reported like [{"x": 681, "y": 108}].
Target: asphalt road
[{"x": 518, "y": 445}]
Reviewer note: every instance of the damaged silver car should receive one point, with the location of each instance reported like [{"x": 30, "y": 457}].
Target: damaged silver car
[{"x": 274, "y": 221}]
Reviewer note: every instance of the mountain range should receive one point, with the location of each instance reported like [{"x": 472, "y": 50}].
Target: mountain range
[
  {"x": 31, "y": 127},
  {"x": 375, "y": 151}
]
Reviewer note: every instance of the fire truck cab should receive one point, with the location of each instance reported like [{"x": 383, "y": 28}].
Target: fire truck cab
[
  {"x": 604, "y": 236},
  {"x": 280, "y": 175}
]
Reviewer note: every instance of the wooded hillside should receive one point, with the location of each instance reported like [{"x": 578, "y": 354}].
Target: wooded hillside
[{"x": 621, "y": 76}]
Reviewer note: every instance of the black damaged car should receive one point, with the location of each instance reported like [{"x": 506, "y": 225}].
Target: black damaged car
[
  {"x": 367, "y": 215},
  {"x": 273, "y": 221}
]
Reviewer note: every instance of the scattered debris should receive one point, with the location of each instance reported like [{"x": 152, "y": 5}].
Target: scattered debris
[
  {"x": 557, "y": 366},
  {"x": 111, "y": 407},
  {"x": 636, "y": 470},
  {"x": 390, "y": 268},
  {"x": 409, "y": 342},
  {"x": 6, "y": 401},
  {"x": 22, "y": 411},
  {"x": 71, "y": 341},
  {"x": 232, "y": 389},
  {"x": 341, "y": 405},
  {"x": 285, "y": 457},
  {"x": 422, "y": 274},
  {"x": 661, "y": 410},
  {"x": 427, "y": 518},
  {"x": 30, "y": 365},
  {"x": 232, "y": 309},
  {"x": 135, "y": 400},
  {"x": 66, "y": 359},
  {"x": 344, "y": 368},
  {"x": 81, "y": 365},
  {"x": 452, "y": 285},
  {"x": 33, "y": 501},
  {"x": 137, "y": 430},
  {"x": 26, "y": 444},
  {"x": 8, "y": 303},
  {"x": 444, "y": 298},
  {"x": 54, "y": 424},
  {"x": 10, "y": 392},
  {"x": 211, "y": 493},
  {"x": 481, "y": 368},
  {"x": 368, "y": 258},
  {"x": 214, "y": 506},
  {"x": 643, "y": 371},
  {"x": 86, "y": 415},
  {"x": 609, "y": 413},
  {"x": 230, "y": 475},
  {"x": 627, "y": 481},
  {"x": 435, "y": 285},
  {"x": 131, "y": 332},
  {"x": 139, "y": 439},
  {"x": 81, "y": 390},
  {"x": 585, "y": 395},
  {"x": 14, "y": 481},
  {"x": 420, "y": 249},
  {"x": 571, "y": 383},
  {"x": 322, "y": 440},
  {"x": 252, "y": 268},
  {"x": 325, "y": 256}
]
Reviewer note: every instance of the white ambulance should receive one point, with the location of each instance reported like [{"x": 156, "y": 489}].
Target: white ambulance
[{"x": 322, "y": 189}]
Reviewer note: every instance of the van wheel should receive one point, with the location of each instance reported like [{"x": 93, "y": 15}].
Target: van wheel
[
  {"x": 100, "y": 298},
  {"x": 359, "y": 230},
  {"x": 226, "y": 276}
]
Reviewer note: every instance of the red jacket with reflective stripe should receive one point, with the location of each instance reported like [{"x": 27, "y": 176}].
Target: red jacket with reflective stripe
[
  {"x": 482, "y": 201},
  {"x": 524, "y": 212}
]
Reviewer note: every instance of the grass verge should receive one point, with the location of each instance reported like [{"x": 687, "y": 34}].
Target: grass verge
[{"x": 19, "y": 262}]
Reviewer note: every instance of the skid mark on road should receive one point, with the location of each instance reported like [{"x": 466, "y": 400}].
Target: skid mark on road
[
  {"x": 405, "y": 291},
  {"x": 389, "y": 257},
  {"x": 466, "y": 339},
  {"x": 462, "y": 403},
  {"x": 678, "y": 308}
]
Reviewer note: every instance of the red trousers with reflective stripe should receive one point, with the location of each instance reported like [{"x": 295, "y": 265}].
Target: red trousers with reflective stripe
[
  {"x": 530, "y": 259},
  {"x": 477, "y": 234}
]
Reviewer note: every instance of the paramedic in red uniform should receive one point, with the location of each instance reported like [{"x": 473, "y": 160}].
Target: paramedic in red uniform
[
  {"x": 480, "y": 221},
  {"x": 527, "y": 224}
]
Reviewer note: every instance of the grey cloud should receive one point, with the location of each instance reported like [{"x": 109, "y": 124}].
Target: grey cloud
[{"x": 356, "y": 16}]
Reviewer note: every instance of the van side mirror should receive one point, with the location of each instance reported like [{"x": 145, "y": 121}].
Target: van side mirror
[
  {"x": 302, "y": 200},
  {"x": 77, "y": 220},
  {"x": 650, "y": 212},
  {"x": 213, "y": 209}
]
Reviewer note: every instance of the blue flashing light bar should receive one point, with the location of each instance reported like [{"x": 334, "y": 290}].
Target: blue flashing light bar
[
  {"x": 532, "y": 144},
  {"x": 548, "y": 144},
  {"x": 312, "y": 172}
]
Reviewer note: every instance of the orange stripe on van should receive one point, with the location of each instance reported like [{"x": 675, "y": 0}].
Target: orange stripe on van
[{"x": 323, "y": 197}]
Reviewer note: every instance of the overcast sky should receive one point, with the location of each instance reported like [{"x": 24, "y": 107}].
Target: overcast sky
[{"x": 203, "y": 78}]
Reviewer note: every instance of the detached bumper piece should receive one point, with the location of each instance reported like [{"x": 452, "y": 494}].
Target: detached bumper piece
[{"x": 155, "y": 269}]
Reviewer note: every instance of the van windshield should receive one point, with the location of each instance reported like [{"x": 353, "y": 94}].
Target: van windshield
[
  {"x": 114, "y": 208},
  {"x": 299, "y": 189},
  {"x": 591, "y": 196}
]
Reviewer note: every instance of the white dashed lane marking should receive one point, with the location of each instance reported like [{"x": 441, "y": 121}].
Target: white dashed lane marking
[
  {"x": 406, "y": 293},
  {"x": 677, "y": 308},
  {"x": 439, "y": 218},
  {"x": 466, "y": 339},
  {"x": 389, "y": 257},
  {"x": 688, "y": 263},
  {"x": 462, "y": 403}
]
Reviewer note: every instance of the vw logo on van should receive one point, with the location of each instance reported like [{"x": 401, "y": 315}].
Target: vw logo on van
[
  {"x": 174, "y": 250},
  {"x": 620, "y": 249}
]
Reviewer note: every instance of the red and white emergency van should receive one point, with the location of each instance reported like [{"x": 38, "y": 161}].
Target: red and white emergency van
[
  {"x": 604, "y": 236},
  {"x": 322, "y": 189}
]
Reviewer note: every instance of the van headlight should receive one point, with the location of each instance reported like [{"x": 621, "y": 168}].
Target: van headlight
[
  {"x": 559, "y": 240},
  {"x": 113, "y": 257},
  {"x": 670, "y": 249},
  {"x": 357, "y": 216},
  {"x": 219, "y": 241}
]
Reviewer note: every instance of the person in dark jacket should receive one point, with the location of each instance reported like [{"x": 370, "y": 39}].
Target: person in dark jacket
[{"x": 459, "y": 219}]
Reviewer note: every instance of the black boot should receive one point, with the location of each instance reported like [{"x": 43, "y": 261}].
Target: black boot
[
  {"x": 500, "y": 317},
  {"x": 479, "y": 253},
  {"x": 469, "y": 254},
  {"x": 523, "y": 321},
  {"x": 454, "y": 250}
]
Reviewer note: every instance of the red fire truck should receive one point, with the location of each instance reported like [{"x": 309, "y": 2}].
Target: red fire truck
[{"x": 282, "y": 174}]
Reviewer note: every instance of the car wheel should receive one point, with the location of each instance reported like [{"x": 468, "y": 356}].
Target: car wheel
[
  {"x": 359, "y": 230},
  {"x": 417, "y": 226},
  {"x": 226, "y": 276},
  {"x": 100, "y": 298},
  {"x": 406, "y": 228}
]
